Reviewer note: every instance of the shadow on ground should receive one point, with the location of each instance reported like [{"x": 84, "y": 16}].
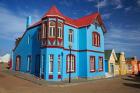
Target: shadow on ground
[
  {"x": 132, "y": 85},
  {"x": 132, "y": 81}
]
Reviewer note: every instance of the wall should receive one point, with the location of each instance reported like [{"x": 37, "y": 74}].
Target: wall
[{"x": 24, "y": 50}]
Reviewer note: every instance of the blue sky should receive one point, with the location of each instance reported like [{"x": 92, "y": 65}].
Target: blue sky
[{"x": 121, "y": 18}]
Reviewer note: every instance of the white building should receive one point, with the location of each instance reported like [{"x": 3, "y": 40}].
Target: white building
[{"x": 5, "y": 58}]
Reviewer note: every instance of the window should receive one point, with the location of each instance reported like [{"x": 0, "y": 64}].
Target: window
[
  {"x": 70, "y": 63},
  {"x": 18, "y": 62},
  {"x": 70, "y": 35},
  {"x": 43, "y": 30},
  {"x": 51, "y": 59},
  {"x": 42, "y": 65},
  {"x": 28, "y": 39},
  {"x": 29, "y": 63},
  {"x": 52, "y": 28},
  {"x": 59, "y": 64},
  {"x": 60, "y": 28},
  {"x": 100, "y": 63},
  {"x": 96, "y": 39},
  {"x": 129, "y": 67},
  {"x": 92, "y": 63}
]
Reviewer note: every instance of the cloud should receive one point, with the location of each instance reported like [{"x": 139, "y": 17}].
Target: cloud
[
  {"x": 12, "y": 24},
  {"x": 128, "y": 9},
  {"x": 118, "y": 4},
  {"x": 123, "y": 39},
  {"x": 66, "y": 3},
  {"x": 101, "y": 4},
  {"x": 138, "y": 2},
  {"x": 106, "y": 15}
]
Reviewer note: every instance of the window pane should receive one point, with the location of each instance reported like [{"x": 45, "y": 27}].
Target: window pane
[
  {"x": 59, "y": 63},
  {"x": 92, "y": 63},
  {"x": 72, "y": 62},
  {"x": 100, "y": 63},
  {"x": 51, "y": 64}
]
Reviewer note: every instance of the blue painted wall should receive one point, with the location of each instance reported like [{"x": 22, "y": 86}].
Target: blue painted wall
[
  {"x": 82, "y": 41},
  {"x": 24, "y": 49}
]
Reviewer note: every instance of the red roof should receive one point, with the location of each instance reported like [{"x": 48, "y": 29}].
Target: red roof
[
  {"x": 53, "y": 11},
  {"x": 84, "y": 21}
]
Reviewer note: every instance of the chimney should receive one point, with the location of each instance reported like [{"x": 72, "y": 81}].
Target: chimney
[
  {"x": 122, "y": 53},
  {"x": 28, "y": 22}
]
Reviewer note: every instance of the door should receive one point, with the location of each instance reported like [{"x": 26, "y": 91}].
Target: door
[
  {"x": 18, "y": 59},
  {"x": 37, "y": 66},
  {"x": 112, "y": 68}
]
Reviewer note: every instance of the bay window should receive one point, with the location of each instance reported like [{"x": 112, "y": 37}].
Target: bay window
[
  {"x": 60, "y": 28},
  {"x": 43, "y": 30},
  {"x": 52, "y": 28}
]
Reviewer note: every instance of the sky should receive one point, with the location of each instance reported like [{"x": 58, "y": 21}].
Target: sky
[{"x": 121, "y": 18}]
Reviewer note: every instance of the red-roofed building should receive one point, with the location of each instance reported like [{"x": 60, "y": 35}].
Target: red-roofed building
[{"x": 57, "y": 46}]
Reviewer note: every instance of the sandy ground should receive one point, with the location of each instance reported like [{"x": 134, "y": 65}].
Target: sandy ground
[{"x": 12, "y": 84}]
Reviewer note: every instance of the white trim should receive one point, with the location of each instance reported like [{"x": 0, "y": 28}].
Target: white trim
[
  {"x": 51, "y": 29},
  {"x": 59, "y": 60},
  {"x": 50, "y": 63}
]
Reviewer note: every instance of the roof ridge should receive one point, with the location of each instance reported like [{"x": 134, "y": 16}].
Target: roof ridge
[{"x": 53, "y": 11}]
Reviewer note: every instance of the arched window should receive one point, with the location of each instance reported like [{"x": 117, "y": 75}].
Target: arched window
[
  {"x": 96, "y": 39},
  {"x": 52, "y": 29},
  {"x": 60, "y": 30},
  {"x": 70, "y": 63}
]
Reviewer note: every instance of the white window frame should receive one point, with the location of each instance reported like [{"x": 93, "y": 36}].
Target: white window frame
[
  {"x": 43, "y": 32},
  {"x": 60, "y": 28},
  {"x": 51, "y": 29},
  {"x": 72, "y": 63},
  {"x": 70, "y": 37},
  {"x": 51, "y": 60},
  {"x": 59, "y": 32},
  {"x": 59, "y": 64}
]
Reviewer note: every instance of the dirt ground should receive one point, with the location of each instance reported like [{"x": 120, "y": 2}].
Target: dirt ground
[{"x": 12, "y": 84}]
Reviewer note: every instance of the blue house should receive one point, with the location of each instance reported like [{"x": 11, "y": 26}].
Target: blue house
[{"x": 44, "y": 49}]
